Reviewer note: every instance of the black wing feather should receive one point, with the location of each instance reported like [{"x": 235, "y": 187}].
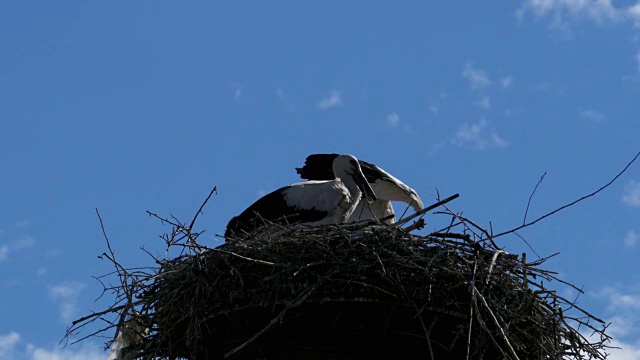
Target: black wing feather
[{"x": 271, "y": 207}]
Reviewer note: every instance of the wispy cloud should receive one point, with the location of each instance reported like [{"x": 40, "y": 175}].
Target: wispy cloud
[
  {"x": 334, "y": 99},
  {"x": 619, "y": 327},
  {"x": 237, "y": 90},
  {"x": 484, "y": 103},
  {"x": 83, "y": 353},
  {"x": 563, "y": 13},
  {"x": 4, "y": 252},
  {"x": 551, "y": 88},
  {"x": 631, "y": 239},
  {"x": 478, "y": 136},
  {"x": 506, "y": 82},
  {"x": 434, "y": 109},
  {"x": 393, "y": 119},
  {"x": 66, "y": 295},
  {"x": 592, "y": 115},
  {"x": 624, "y": 351},
  {"x": 25, "y": 242},
  {"x": 477, "y": 78},
  {"x": 631, "y": 194},
  {"x": 634, "y": 14},
  {"x": 284, "y": 98},
  {"x": 13, "y": 347},
  {"x": 8, "y": 344},
  {"x": 599, "y": 11},
  {"x": 620, "y": 302},
  {"x": 623, "y": 307}
]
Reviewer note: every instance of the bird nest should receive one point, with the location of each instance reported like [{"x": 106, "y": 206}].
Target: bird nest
[{"x": 358, "y": 291}]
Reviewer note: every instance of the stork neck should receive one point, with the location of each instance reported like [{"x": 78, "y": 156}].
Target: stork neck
[{"x": 348, "y": 181}]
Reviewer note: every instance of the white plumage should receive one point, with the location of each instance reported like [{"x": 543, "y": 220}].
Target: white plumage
[
  {"x": 386, "y": 187},
  {"x": 310, "y": 202},
  {"x": 128, "y": 335}
]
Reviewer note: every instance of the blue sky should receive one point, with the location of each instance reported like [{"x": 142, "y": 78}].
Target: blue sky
[{"x": 136, "y": 106}]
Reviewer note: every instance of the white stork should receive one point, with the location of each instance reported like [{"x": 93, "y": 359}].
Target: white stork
[
  {"x": 386, "y": 187},
  {"x": 131, "y": 332},
  {"x": 310, "y": 202}
]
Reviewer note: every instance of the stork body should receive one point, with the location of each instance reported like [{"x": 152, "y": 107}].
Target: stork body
[
  {"x": 387, "y": 187},
  {"x": 310, "y": 202},
  {"x": 131, "y": 332}
]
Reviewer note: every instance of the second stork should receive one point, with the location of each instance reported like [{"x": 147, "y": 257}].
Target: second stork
[
  {"x": 329, "y": 200},
  {"x": 386, "y": 187}
]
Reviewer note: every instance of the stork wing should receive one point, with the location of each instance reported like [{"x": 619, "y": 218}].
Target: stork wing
[{"x": 318, "y": 167}]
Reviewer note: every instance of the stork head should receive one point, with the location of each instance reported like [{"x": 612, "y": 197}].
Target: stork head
[{"x": 348, "y": 165}]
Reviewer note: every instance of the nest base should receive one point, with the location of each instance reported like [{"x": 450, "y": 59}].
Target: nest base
[{"x": 337, "y": 330}]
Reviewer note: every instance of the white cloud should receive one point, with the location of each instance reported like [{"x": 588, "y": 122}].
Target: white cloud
[
  {"x": 434, "y": 109},
  {"x": 599, "y": 11},
  {"x": 478, "y": 136},
  {"x": 12, "y": 347},
  {"x": 506, "y": 82},
  {"x": 334, "y": 99},
  {"x": 631, "y": 194},
  {"x": 393, "y": 119},
  {"x": 83, "y": 353},
  {"x": 624, "y": 352},
  {"x": 8, "y": 344},
  {"x": 634, "y": 14},
  {"x": 497, "y": 141},
  {"x": 563, "y": 12},
  {"x": 619, "y": 302},
  {"x": 619, "y": 350},
  {"x": 237, "y": 91},
  {"x": 284, "y": 98},
  {"x": 631, "y": 239},
  {"x": 477, "y": 78},
  {"x": 551, "y": 88},
  {"x": 484, "y": 103},
  {"x": 66, "y": 294},
  {"x": 4, "y": 252},
  {"x": 592, "y": 115},
  {"x": 24, "y": 242},
  {"x": 623, "y": 308}
]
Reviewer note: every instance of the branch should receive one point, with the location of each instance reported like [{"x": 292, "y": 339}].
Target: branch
[
  {"x": 531, "y": 197},
  {"x": 429, "y": 208},
  {"x": 573, "y": 203}
]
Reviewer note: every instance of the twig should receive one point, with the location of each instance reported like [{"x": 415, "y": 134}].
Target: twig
[
  {"x": 529, "y": 245},
  {"x": 244, "y": 257},
  {"x": 572, "y": 203},
  {"x": 429, "y": 208},
  {"x": 531, "y": 196},
  {"x": 495, "y": 320},
  {"x": 471, "y": 305},
  {"x": 214, "y": 190}
]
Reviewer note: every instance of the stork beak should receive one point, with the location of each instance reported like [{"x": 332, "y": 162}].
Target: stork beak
[{"x": 364, "y": 186}]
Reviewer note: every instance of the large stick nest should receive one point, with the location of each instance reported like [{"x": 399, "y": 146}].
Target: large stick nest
[{"x": 363, "y": 291}]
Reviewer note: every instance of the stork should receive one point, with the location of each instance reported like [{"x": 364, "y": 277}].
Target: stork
[
  {"x": 386, "y": 187},
  {"x": 327, "y": 201},
  {"x": 131, "y": 332}
]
